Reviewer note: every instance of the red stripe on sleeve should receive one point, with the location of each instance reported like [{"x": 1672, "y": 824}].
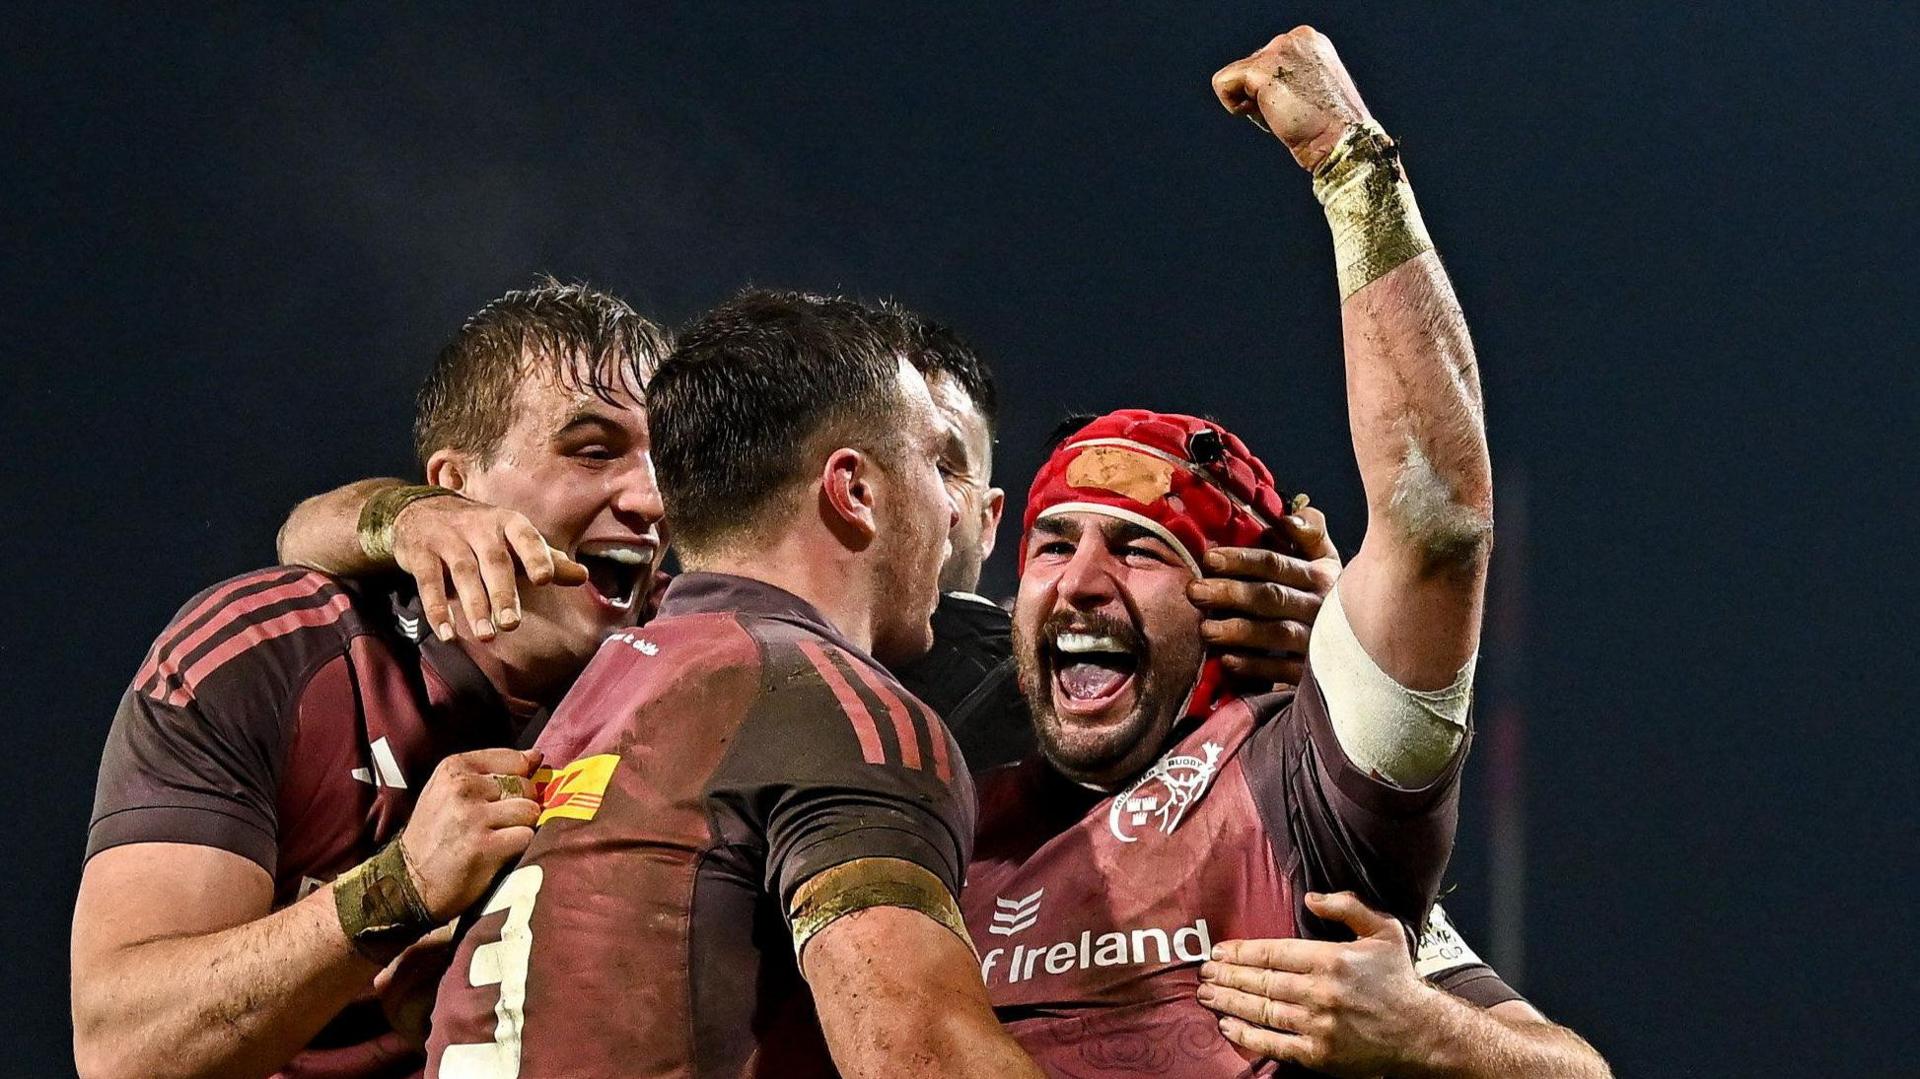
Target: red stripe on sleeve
[
  {"x": 903, "y": 728},
  {"x": 169, "y": 665},
  {"x": 260, "y": 633},
  {"x": 164, "y": 646},
  {"x": 937, "y": 734},
  {"x": 850, "y": 703}
]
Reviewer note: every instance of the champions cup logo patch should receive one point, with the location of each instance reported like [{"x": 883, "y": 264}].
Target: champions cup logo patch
[
  {"x": 576, "y": 790},
  {"x": 1158, "y": 800}
]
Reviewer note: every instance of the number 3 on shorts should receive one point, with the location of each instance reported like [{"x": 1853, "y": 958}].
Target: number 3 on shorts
[{"x": 502, "y": 963}]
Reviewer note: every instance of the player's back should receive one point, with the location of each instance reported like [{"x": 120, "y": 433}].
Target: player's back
[{"x": 643, "y": 932}]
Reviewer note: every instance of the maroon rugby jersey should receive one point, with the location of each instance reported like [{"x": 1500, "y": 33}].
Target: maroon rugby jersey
[
  {"x": 707, "y": 765},
  {"x": 1092, "y": 914},
  {"x": 291, "y": 718}
]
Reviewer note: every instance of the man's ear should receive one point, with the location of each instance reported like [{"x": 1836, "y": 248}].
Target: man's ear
[
  {"x": 847, "y": 496},
  {"x": 991, "y": 508},
  {"x": 448, "y": 468}
]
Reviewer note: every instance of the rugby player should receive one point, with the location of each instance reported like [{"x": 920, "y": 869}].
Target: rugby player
[
  {"x": 487, "y": 552},
  {"x": 303, "y": 779},
  {"x": 1364, "y": 1007},
  {"x": 1256, "y": 605},
  {"x": 749, "y": 864},
  {"x": 1163, "y": 813}
]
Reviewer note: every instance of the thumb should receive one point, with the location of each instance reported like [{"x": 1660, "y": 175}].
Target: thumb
[{"x": 1346, "y": 908}]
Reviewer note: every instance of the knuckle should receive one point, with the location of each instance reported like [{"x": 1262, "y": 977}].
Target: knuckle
[{"x": 463, "y": 565}]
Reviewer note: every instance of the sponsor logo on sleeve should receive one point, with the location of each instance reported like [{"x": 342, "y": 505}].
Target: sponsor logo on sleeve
[
  {"x": 1441, "y": 948},
  {"x": 575, "y": 791}
]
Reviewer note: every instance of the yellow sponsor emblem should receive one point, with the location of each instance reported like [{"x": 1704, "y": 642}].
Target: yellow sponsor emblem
[{"x": 576, "y": 790}]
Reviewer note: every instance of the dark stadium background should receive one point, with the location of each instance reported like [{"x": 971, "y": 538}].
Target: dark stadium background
[{"x": 1683, "y": 234}]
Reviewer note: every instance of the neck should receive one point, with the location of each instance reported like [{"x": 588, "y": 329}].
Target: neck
[
  {"x": 824, "y": 578},
  {"x": 522, "y": 675}
]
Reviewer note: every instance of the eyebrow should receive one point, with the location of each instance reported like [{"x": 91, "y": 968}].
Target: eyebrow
[
  {"x": 1057, "y": 526},
  {"x": 587, "y": 419},
  {"x": 1115, "y": 530}
]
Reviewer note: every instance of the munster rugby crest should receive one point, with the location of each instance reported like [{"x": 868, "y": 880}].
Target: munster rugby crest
[{"x": 1158, "y": 800}]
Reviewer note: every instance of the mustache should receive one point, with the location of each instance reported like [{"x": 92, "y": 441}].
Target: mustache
[{"x": 1096, "y": 623}]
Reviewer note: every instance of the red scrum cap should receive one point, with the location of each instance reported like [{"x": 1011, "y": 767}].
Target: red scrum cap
[{"x": 1189, "y": 481}]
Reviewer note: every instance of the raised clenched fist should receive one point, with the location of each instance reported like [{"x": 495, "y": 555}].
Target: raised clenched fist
[{"x": 1298, "y": 87}]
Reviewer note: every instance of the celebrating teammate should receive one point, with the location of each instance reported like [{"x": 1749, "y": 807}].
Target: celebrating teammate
[
  {"x": 248, "y": 875},
  {"x": 752, "y": 800},
  {"x": 1163, "y": 814}
]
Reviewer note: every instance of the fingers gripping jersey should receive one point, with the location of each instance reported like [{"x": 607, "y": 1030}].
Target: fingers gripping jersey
[{"x": 709, "y": 764}]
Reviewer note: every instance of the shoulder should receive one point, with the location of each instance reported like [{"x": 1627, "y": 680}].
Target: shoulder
[
  {"x": 843, "y": 705},
  {"x": 259, "y": 630}
]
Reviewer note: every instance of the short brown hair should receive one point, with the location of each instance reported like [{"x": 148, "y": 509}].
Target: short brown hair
[
  {"x": 752, "y": 385},
  {"x": 591, "y": 341}
]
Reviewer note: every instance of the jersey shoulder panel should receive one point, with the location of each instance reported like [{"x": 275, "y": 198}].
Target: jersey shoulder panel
[
  {"x": 1337, "y": 827},
  {"x": 837, "y": 761},
  {"x": 280, "y": 621},
  {"x": 198, "y": 744}
]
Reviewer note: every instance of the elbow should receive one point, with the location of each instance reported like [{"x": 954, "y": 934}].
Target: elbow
[
  {"x": 1459, "y": 541},
  {"x": 100, "y": 1056},
  {"x": 106, "y": 1046},
  {"x": 1447, "y": 524}
]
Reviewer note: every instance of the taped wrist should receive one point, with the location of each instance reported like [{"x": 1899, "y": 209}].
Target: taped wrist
[
  {"x": 1363, "y": 188},
  {"x": 380, "y": 909},
  {"x": 382, "y": 509},
  {"x": 832, "y": 894}
]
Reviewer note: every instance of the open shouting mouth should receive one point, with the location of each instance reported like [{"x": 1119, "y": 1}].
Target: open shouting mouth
[
  {"x": 1094, "y": 667},
  {"x": 618, "y": 571}
]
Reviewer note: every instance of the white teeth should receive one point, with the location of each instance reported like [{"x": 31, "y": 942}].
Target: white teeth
[
  {"x": 627, "y": 556},
  {"x": 1077, "y": 643}
]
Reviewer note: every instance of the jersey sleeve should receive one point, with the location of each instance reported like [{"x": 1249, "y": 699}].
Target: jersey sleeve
[
  {"x": 1351, "y": 830},
  {"x": 197, "y": 745},
  {"x": 837, "y": 763},
  {"x": 1443, "y": 958}
]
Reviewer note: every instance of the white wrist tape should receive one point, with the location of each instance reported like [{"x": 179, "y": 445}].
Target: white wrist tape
[{"x": 1406, "y": 736}]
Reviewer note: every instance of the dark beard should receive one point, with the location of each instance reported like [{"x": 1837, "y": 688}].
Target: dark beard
[{"x": 1164, "y": 676}]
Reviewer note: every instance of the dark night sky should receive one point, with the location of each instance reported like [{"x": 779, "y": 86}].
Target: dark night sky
[{"x": 1682, "y": 238}]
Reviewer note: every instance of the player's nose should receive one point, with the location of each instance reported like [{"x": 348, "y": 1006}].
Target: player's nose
[
  {"x": 1087, "y": 581},
  {"x": 637, "y": 494}
]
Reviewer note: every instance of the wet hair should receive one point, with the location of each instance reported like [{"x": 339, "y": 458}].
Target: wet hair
[
  {"x": 1066, "y": 429},
  {"x": 751, "y": 388},
  {"x": 938, "y": 349},
  {"x": 590, "y": 341}
]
